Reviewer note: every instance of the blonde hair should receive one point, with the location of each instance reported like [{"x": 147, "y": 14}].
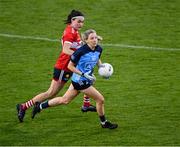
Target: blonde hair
[{"x": 86, "y": 34}]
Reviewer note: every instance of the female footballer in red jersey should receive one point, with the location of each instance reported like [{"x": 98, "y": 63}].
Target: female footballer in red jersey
[{"x": 71, "y": 41}]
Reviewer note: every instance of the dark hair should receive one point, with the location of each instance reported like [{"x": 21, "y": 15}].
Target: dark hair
[{"x": 73, "y": 13}]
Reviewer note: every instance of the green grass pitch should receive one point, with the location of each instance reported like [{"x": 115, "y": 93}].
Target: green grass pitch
[{"x": 142, "y": 96}]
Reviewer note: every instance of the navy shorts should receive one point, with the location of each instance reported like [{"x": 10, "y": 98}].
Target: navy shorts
[
  {"x": 61, "y": 75},
  {"x": 81, "y": 86}
]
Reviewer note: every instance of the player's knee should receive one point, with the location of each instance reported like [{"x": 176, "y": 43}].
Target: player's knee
[
  {"x": 100, "y": 100},
  {"x": 65, "y": 101},
  {"x": 50, "y": 93}
]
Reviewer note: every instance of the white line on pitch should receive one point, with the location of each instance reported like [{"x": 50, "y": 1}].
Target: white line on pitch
[
  {"x": 105, "y": 44},
  {"x": 142, "y": 47},
  {"x": 29, "y": 37}
]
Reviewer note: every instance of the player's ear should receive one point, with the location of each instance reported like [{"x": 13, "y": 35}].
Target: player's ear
[{"x": 87, "y": 41}]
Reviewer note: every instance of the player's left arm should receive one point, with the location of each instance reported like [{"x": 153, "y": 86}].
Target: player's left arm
[{"x": 99, "y": 63}]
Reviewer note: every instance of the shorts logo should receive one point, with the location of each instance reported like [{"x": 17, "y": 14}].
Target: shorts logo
[{"x": 67, "y": 76}]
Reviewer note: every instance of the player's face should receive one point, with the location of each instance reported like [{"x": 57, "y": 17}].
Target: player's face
[
  {"x": 77, "y": 23},
  {"x": 92, "y": 40}
]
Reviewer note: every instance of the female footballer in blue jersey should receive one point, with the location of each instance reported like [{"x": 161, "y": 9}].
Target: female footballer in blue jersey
[{"x": 82, "y": 65}]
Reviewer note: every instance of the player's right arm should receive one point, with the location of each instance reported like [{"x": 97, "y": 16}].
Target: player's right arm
[
  {"x": 74, "y": 61},
  {"x": 73, "y": 68},
  {"x": 67, "y": 48}
]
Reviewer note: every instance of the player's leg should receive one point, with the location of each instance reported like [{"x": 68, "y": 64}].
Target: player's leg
[
  {"x": 70, "y": 94},
  {"x": 98, "y": 97},
  {"x": 60, "y": 77},
  {"x": 87, "y": 106},
  {"x": 52, "y": 91}
]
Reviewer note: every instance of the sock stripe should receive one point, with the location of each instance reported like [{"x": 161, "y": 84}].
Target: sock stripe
[
  {"x": 86, "y": 101},
  {"x": 29, "y": 103},
  {"x": 26, "y": 105}
]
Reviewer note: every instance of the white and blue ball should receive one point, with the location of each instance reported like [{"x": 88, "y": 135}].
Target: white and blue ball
[{"x": 105, "y": 70}]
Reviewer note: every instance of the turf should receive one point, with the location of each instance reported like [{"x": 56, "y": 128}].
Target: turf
[{"x": 142, "y": 96}]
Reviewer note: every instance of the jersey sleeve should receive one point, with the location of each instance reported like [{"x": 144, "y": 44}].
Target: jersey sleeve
[
  {"x": 76, "y": 56},
  {"x": 68, "y": 36},
  {"x": 100, "y": 50}
]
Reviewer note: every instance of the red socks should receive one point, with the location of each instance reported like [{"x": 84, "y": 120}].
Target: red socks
[
  {"x": 27, "y": 104},
  {"x": 86, "y": 101}
]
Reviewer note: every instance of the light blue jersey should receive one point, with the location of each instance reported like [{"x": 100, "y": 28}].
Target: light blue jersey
[{"x": 85, "y": 60}]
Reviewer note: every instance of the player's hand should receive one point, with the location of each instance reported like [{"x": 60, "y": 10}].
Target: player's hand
[
  {"x": 101, "y": 65},
  {"x": 86, "y": 75},
  {"x": 94, "y": 78}
]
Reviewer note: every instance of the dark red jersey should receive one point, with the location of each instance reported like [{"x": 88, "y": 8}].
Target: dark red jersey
[{"x": 72, "y": 36}]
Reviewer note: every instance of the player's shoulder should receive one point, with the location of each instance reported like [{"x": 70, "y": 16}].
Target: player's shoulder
[
  {"x": 83, "y": 48},
  {"x": 99, "y": 48},
  {"x": 69, "y": 30}
]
